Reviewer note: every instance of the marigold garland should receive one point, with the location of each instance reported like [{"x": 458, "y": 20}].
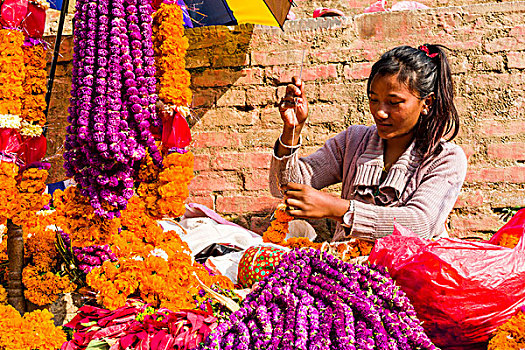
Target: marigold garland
[
  {"x": 148, "y": 257},
  {"x": 3, "y": 295},
  {"x": 77, "y": 218},
  {"x": 12, "y": 72},
  {"x": 34, "y": 85},
  {"x": 170, "y": 47},
  {"x": 9, "y": 199},
  {"x": 44, "y": 287},
  {"x": 509, "y": 240},
  {"x": 510, "y": 335},
  {"x": 174, "y": 180},
  {"x": 31, "y": 187},
  {"x": 33, "y": 331},
  {"x": 278, "y": 229}
]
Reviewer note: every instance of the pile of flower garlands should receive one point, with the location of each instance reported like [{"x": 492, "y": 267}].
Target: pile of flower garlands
[
  {"x": 152, "y": 264},
  {"x": 315, "y": 301},
  {"x": 35, "y": 330},
  {"x": 12, "y": 74},
  {"x": 112, "y": 103},
  {"x": 510, "y": 335},
  {"x": 34, "y": 85},
  {"x": 139, "y": 326}
]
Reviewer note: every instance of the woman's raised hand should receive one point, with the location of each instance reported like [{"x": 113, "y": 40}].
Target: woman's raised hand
[{"x": 294, "y": 110}]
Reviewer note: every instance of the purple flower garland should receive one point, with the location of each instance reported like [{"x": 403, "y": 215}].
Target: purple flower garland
[
  {"x": 112, "y": 101},
  {"x": 313, "y": 301}
]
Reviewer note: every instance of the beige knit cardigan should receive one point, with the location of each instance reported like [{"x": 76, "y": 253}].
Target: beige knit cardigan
[{"x": 417, "y": 193}]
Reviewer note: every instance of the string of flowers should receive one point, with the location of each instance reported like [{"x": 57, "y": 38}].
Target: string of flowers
[
  {"x": 313, "y": 300},
  {"x": 31, "y": 187},
  {"x": 77, "y": 218},
  {"x": 35, "y": 330},
  {"x": 510, "y": 335},
  {"x": 112, "y": 102},
  {"x": 147, "y": 258},
  {"x": 170, "y": 46},
  {"x": 12, "y": 74},
  {"x": 174, "y": 180},
  {"x": 278, "y": 229},
  {"x": 34, "y": 85},
  {"x": 44, "y": 287},
  {"x": 9, "y": 199},
  {"x": 509, "y": 240}
]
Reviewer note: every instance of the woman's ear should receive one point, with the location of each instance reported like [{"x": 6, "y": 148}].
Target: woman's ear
[{"x": 427, "y": 104}]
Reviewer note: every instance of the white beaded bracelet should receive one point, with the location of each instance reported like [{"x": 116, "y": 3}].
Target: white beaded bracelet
[{"x": 291, "y": 147}]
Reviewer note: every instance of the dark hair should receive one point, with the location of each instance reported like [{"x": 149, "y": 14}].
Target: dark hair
[{"x": 425, "y": 70}]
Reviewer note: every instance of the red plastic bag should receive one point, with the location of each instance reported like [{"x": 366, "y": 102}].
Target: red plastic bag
[
  {"x": 13, "y": 12},
  {"x": 32, "y": 149},
  {"x": 175, "y": 131},
  {"x": 35, "y": 21},
  {"x": 461, "y": 290},
  {"x": 9, "y": 140}
]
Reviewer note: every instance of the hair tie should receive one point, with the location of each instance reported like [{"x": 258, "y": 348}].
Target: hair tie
[{"x": 425, "y": 49}]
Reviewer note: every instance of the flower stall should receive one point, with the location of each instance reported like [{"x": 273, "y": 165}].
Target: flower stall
[{"x": 121, "y": 240}]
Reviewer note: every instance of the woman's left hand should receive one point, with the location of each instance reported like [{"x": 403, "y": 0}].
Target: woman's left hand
[{"x": 306, "y": 202}]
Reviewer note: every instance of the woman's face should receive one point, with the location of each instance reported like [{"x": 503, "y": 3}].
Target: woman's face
[{"x": 395, "y": 107}]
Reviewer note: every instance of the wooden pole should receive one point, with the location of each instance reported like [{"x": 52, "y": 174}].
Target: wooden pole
[{"x": 15, "y": 254}]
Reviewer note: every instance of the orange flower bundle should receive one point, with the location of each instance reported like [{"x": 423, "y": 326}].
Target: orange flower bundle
[
  {"x": 44, "y": 287},
  {"x": 170, "y": 49},
  {"x": 153, "y": 264},
  {"x": 510, "y": 335},
  {"x": 35, "y": 330},
  {"x": 34, "y": 85},
  {"x": 9, "y": 199},
  {"x": 174, "y": 180},
  {"x": 31, "y": 187},
  {"x": 77, "y": 218},
  {"x": 12, "y": 73},
  {"x": 3, "y": 295},
  {"x": 509, "y": 240},
  {"x": 278, "y": 229}
]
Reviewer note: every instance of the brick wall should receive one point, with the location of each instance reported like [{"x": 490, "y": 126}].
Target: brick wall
[
  {"x": 239, "y": 73},
  {"x": 237, "y": 82}
]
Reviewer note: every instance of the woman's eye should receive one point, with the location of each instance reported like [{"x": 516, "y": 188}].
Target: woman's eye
[
  {"x": 395, "y": 102},
  {"x": 372, "y": 100}
]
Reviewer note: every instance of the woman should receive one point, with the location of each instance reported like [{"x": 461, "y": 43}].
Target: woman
[{"x": 397, "y": 170}]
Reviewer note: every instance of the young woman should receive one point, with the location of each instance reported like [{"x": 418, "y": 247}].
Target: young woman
[{"x": 399, "y": 170}]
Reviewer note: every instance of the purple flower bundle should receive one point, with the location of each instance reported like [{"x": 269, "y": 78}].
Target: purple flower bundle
[
  {"x": 112, "y": 103},
  {"x": 92, "y": 256},
  {"x": 315, "y": 301}
]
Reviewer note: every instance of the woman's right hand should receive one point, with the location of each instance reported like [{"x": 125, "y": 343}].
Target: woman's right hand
[{"x": 294, "y": 111}]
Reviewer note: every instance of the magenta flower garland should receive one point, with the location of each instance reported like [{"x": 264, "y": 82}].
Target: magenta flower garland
[
  {"x": 315, "y": 301},
  {"x": 112, "y": 103}
]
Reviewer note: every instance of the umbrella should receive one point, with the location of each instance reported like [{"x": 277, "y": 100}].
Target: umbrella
[{"x": 232, "y": 12}]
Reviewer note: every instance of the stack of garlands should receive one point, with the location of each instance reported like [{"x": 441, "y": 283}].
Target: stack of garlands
[
  {"x": 278, "y": 229},
  {"x": 35, "y": 330},
  {"x": 112, "y": 105},
  {"x": 34, "y": 85},
  {"x": 152, "y": 264},
  {"x": 42, "y": 276},
  {"x": 77, "y": 218},
  {"x": 510, "y": 335},
  {"x": 12, "y": 75},
  {"x": 31, "y": 186},
  {"x": 9, "y": 199},
  {"x": 315, "y": 301}
]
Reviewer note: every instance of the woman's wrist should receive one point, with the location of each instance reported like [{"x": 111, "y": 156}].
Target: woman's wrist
[
  {"x": 291, "y": 136},
  {"x": 342, "y": 207}
]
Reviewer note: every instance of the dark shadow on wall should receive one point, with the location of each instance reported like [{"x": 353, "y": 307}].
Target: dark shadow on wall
[{"x": 217, "y": 58}]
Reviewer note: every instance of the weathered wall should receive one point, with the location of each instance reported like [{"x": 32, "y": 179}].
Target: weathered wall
[{"x": 238, "y": 74}]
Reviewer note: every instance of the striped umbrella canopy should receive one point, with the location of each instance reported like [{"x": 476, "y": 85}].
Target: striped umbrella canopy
[{"x": 232, "y": 12}]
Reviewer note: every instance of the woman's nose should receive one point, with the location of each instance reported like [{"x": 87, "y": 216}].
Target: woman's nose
[{"x": 381, "y": 113}]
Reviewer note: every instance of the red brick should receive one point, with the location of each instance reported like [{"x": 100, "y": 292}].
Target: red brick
[
  {"x": 250, "y": 76},
  {"x": 216, "y": 139},
  {"x": 261, "y": 96},
  {"x": 505, "y": 44},
  {"x": 469, "y": 199},
  {"x": 245, "y": 204},
  {"x": 208, "y": 182},
  {"x": 281, "y": 74},
  {"x": 277, "y": 58},
  {"x": 206, "y": 200},
  {"x": 201, "y": 162},
  {"x": 256, "y": 180},
  {"x": 204, "y": 97},
  {"x": 501, "y": 198},
  {"x": 516, "y": 59},
  {"x": 232, "y": 97},
  {"x": 514, "y": 174},
  {"x": 512, "y": 150},
  {"x": 232, "y": 161},
  {"x": 492, "y": 127},
  {"x": 226, "y": 116},
  {"x": 464, "y": 226},
  {"x": 328, "y": 113},
  {"x": 358, "y": 71},
  {"x": 215, "y": 77}
]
